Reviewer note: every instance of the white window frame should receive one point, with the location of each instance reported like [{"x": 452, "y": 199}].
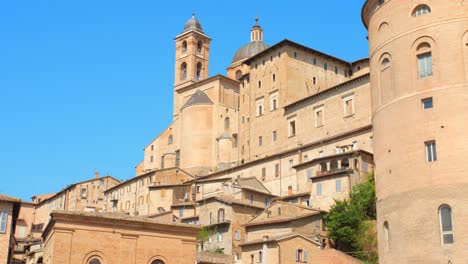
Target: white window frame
[
  {"x": 318, "y": 189},
  {"x": 431, "y": 151},
  {"x": 3, "y": 222},
  {"x": 442, "y": 233},
  {"x": 425, "y": 65},
  {"x": 338, "y": 183},
  {"x": 259, "y": 107},
  {"x": 274, "y": 97}
]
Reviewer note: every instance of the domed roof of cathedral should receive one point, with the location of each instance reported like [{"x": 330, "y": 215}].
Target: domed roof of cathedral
[
  {"x": 255, "y": 46},
  {"x": 193, "y": 24},
  {"x": 249, "y": 50}
]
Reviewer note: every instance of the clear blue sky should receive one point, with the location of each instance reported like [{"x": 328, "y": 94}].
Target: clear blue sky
[{"x": 86, "y": 84}]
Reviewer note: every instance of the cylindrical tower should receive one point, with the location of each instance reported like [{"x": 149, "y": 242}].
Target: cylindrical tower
[
  {"x": 196, "y": 134},
  {"x": 419, "y": 82}
]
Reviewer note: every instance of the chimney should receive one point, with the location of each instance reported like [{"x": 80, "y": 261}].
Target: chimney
[{"x": 96, "y": 175}]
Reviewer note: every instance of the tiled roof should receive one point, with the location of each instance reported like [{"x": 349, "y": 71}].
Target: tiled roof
[
  {"x": 6, "y": 198},
  {"x": 213, "y": 258},
  {"x": 297, "y": 212},
  {"x": 277, "y": 238},
  {"x": 252, "y": 184},
  {"x": 230, "y": 200}
]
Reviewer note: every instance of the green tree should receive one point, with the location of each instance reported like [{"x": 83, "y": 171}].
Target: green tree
[
  {"x": 348, "y": 222},
  {"x": 203, "y": 236}
]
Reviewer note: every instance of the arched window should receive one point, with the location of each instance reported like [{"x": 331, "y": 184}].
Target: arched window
[
  {"x": 183, "y": 71},
  {"x": 226, "y": 123},
  {"x": 199, "y": 46},
  {"x": 424, "y": 57},
  {"x": 323, "y": 166},
  {"x": 158, "y": 261},
  {"x": 387, "y": 236},
  {"x": 170, "y": 140},
  {"x": 345, "y": 163},
  {"x": 446, "y": 224},
  {"x": 238, "y": 74},
  {"x": 385, "y": 64},
  {"x": 386, "y": 88},
  {"x": 199, "y": 69},
  {"x": 94, "y": 261},
  {"x": 184, "y": 47},
  {"x": 221, "y": 215},
  {"x": 421, "y": 10}
]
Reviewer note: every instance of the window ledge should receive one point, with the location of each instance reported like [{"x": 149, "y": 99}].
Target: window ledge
[
  {"x": 292, "y": 136},
  {"x": 349, "y": 116},
  {"x": 319, "y": 126}
]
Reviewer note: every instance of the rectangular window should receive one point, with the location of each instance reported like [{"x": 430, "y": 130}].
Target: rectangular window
[
  {"x": 274, "y": 136},
  {"x": 431, "y": 152},
  {"x": 259, "y": 107},
  {"x": 263, "y": 174},
  {"x": 295, "y": 54},
  {"x": 309, "y": 175},
  {"x": 84, "y": 193},
  {"x": 319, "y": 189},
  {"x": 338, "y": 185},
  {"x": 220, "y": 236},
  {"x": 251, "y": 197},
  {"x": 336, "y": 70},
  {"x": 314, "y": 61},
  {"x": 292, "y": 128},
  {"x": 306, "y": 158},
  {"x": 3, "y": 222},
  {"x": 318, "y": 117},
  {"x": 301, "y": 255},
  {"x": 291, "y": 163},
  {"x": 348, "y": 106},
  {"x": 198, "y": 189},
  {"x": 181, "y": 212},
  {"x": 277, "y": 167},
  {"x": 320, "y": 153},
  {"x": 425, "y": 65},
  {"x": 427, "y": 103},
  {"x": 259, "y": 84},
  {"x": 238, "y": 236},
  {"x": 260, "y": 141},
  {"x": 274, "y": 104},
  {"x": 325, "y": 66}
]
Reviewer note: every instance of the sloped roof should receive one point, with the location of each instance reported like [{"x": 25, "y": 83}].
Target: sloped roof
[
  {"x": 198, "y": 98},
  {"x": 6, "y": 198},
  {"x": 252, "y": 184},
  {"x": 293, "y": 212},
  {"x": 277, "y": 238},
  {"x": 229, "y": 200},
  {"x": 213, "y": 258}
]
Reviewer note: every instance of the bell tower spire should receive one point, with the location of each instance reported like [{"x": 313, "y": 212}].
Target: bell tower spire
[{"x": 191, "y": 58}]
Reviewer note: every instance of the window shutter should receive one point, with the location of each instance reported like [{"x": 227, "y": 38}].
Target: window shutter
[
  {"x": 3, "y": 221},
  {"x": 297, "y": 255},
  {"x": 305, "y": 256}
]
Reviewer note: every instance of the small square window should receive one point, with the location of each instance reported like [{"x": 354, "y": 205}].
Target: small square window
[{"x": 427, "y": 103}]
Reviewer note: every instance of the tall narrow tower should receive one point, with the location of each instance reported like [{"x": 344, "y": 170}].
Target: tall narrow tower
[
  {"x": 192, "y": 54},
  {"x": 419, "y": 85}
]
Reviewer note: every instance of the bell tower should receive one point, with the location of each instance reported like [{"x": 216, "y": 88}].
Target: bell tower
[{"x": 191, "y": 59}]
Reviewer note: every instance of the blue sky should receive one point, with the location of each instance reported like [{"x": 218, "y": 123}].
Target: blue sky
[{"x": 85, "y": 85}]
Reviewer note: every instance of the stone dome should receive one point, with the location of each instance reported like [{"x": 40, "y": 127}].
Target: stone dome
[
  {"x": 249, "y": 50},
  {"x": 193, "y": 24}
]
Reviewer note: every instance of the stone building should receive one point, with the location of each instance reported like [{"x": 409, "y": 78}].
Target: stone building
[
  {"x": 98, "y": 238},
  {"x": 9, "y": 211},
  {"x": 85, "y": 196},
  {"x": 419, "y": 79}
]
